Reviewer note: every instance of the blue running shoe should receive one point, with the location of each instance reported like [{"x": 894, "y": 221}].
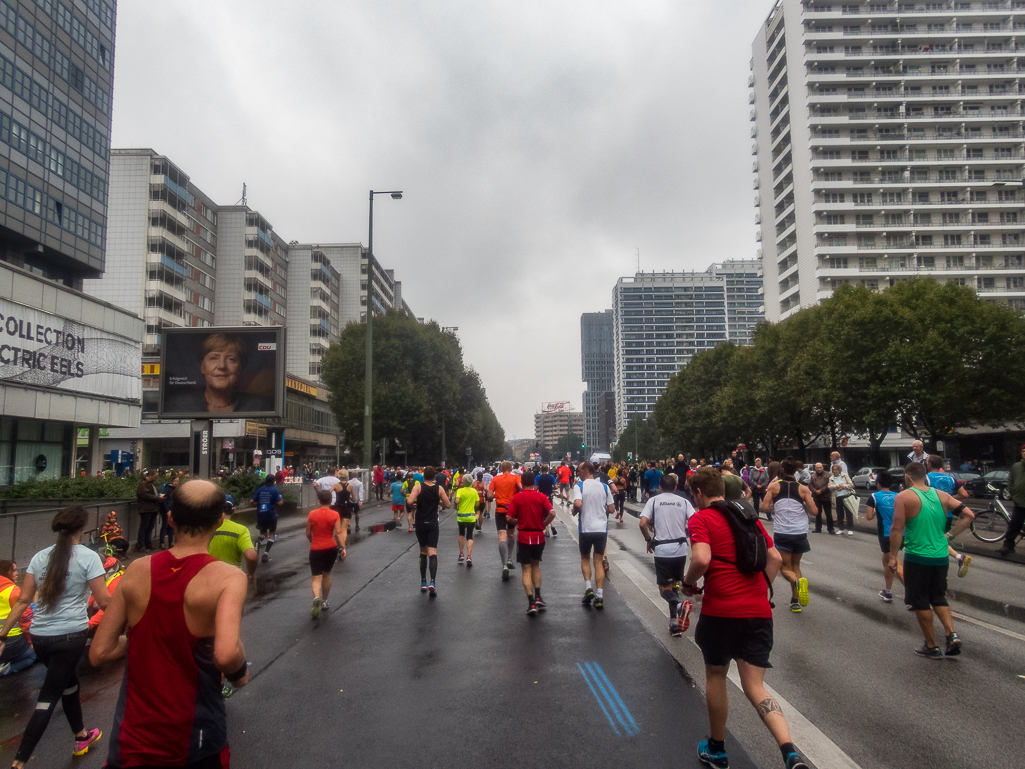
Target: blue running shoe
[
  {"x": 718, "y": 759},
  {"x": 794, "y": 761},
  {"x": 423, "y": 586}
]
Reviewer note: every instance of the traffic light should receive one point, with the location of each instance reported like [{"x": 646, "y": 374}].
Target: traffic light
[{"x": 583, "y": 446}]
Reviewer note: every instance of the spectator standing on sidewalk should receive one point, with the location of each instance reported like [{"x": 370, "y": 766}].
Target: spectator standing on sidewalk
[
  {"x": 758, "y": 479},
  {"x": 735, "y": 621},
  {"x": 834, "y": 459},
  {"x": 918, "y": 453},
  {"x": 842, "y": 486},
  {"x": 1016, "y": 486},
  {"x": 823, "y": 496},
  {"x": 165, "y": 510},
  {"x": 149, "y": 507}
]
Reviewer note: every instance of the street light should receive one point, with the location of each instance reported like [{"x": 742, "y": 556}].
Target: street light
[{"x": 368, "y": 446}]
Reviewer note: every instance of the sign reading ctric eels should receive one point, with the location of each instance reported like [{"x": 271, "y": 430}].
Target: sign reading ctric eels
[
  {"x": 226, "y": 373},
  {"x": 45, "y": 350}
]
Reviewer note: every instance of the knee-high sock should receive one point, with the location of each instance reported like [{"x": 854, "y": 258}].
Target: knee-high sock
[
  {"x": 434, "y": 567},
  {"x": 423, "y": 566},
  {"x": 503, "y": 552},
  {"x": 673, "y": 598}
]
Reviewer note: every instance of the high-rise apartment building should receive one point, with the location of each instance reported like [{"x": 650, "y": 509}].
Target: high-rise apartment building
[
  {"x": 661, "y": 320},
  {"x": 550, "y": 427},
  {"x": 889, "y": 144},
  {"x": 69, "y": 362},
  {"x": 177, "y": 258},
  {"x": 597, "y": 364}
]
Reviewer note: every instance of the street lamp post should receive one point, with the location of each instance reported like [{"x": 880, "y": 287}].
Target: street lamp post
[{"x": 368, "y": 446}]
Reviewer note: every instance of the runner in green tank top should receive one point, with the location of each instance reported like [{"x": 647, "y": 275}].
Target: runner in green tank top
[{"x": 919, "y": 521}]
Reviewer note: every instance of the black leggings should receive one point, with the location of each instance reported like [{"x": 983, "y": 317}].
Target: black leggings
[
  {"x": 466, "y": 529},
  {"x": 61, "y": 655},
  {"x": 619, "y": 498}
]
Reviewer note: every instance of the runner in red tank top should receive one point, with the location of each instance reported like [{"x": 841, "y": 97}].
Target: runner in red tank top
[{"x": 170, "y": 711}]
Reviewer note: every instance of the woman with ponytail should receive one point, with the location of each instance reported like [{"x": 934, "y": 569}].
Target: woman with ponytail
[{"x": 64, "y": 575}]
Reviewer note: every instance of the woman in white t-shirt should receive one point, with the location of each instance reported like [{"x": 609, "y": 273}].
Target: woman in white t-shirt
[{"x": 65, "y": 574}]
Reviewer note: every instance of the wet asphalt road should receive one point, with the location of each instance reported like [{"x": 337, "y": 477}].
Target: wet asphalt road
[{"x": 390, "y": 677}]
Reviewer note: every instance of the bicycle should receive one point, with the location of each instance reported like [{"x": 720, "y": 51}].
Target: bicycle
[{"x": 990, "y": 525}]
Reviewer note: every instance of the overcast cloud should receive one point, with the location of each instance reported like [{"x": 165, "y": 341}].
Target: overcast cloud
[{"x": 538, "y": 144}]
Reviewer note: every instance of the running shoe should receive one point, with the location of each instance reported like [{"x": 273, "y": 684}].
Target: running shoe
[
  {"x": 717, "y": 759},
  {"x": 324, "y": 606},
  {"x": 4, "y": 669},
  {"x": 510, "y": 566},
  {"x": 554, "y": 532},
  {"x": 226, "y": 690},
  {"x": 674, "y": 628},
  {"x": 317, "y": 606},
  {"x": 795, "y": 606},
  {"x": 423, "y": 586},
  {"x": 605, "y": 563},
  {"x": 886, "y": 595},
  {"x": 965, "y": 561},
  {"x": 410, "y": 529},
  {"x": 461, "y": 558},
  {"x": 266, "y": 558},
  {"x": 532, "y": 610},
  {"x": 540, "y": 604},
  {"x": 599, "y": 602},
  {"x": 588, "y": 596},
  {"x": 794, "y": 761},
  {"x": 469, "y": 563},
  {"x": 685, "y": 611},
  {"x": 930, "y": 652},
  {"x": 953, "y": 645},
  {"x": 431, "y": 589},
  {"x": 802, "y": 591},
  {"x": 505, "y": 573},
  {"x": 850, "y": 533},
  {"x": 82, "y": 746}
]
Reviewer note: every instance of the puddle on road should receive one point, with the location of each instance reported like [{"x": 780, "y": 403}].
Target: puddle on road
[{"x": 268, "y": 584}]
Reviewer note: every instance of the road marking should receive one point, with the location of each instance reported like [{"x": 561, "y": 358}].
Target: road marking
[
  {"x": 612, "y": 696},
  {"x": 972, "y": 620},
  {"x": 600, "y": 703}
]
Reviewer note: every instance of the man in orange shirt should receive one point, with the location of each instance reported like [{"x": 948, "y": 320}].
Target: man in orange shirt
[
  {"x": 503, "y": 487},
  {"x": 565, "y": 477},
  {"x": 326, "y": 536}
]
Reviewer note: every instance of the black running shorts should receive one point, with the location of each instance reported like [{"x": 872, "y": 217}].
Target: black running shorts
[
  {"x": 321, "y": 561},
  {"x": 466, "y": 529},
  {"x": 427, "y": 537},
  {"x": 500, "y": 521},
  {"x": 722, "y": 639},
  {"x": 925, "y": 585},
  {"x": 267, "y": 525},
  {"x": 669, "y": 571},
  {"x": 527, "y": 553},
  {"x": 593, "y": 540}
]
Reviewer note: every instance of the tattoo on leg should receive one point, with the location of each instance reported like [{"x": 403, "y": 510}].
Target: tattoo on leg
[{"x": 766, "y": 706}]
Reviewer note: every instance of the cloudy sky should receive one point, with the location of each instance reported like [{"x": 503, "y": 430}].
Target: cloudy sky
[{"x": 539, "y": 144}]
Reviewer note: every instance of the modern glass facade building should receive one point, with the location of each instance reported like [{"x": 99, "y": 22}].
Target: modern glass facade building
[
  {"x": 889, "y": 144},
  {"x": 597, "y": 369}
]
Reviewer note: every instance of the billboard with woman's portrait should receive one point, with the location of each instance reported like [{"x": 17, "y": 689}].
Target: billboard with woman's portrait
[{"x": 227, "y": 373}]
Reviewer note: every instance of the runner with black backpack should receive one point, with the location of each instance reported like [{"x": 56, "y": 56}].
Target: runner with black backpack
[
  {"x": 664, "y": 527},
  {"x": 731, "y": 550}
]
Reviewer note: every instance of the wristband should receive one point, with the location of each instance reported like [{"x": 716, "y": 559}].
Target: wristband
[{"x": 233, "y": 677}]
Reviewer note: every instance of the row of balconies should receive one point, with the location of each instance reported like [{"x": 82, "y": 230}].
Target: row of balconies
[
  {"x": 939, "y": 94},
  {"x": 918, "y": 134},
  {"x": 955, "y": 28},
  {"x": 984, "y": 8},
  {"x": 906, "y": 158},
  {"x": 944, "y": 71},
  {"x": 939, "y": 113},
  {"x": 952, "y": 50},
  {"x": 920, "y": 243},
  {"x": 897, "y": 222},
  {"x": 941, "y": 180},
  {"x": 896, "y": 199}
]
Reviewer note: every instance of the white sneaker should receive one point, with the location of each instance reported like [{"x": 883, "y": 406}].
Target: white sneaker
[
  {"x": 325, "y": 605},
  {"x": 850, "y": 533}
]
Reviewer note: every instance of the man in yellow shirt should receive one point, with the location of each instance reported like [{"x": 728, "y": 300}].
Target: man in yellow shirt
[{"x": 232, "y": 542}]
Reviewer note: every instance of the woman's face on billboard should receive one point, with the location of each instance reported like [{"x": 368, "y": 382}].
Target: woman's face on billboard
[{"x": 220, "y": 368}]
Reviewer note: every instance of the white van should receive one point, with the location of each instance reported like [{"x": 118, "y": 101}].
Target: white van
[{"x": 599, "y": 457}]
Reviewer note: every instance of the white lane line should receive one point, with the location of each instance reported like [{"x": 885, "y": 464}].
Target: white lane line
[
  {"x": 813, "y": 743},
  {"x": 980, "y": 623}
]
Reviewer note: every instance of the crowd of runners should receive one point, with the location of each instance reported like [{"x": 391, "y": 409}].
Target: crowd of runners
[{"x": 701, "y": 523}]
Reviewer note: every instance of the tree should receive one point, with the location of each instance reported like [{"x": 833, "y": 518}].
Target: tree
[
  {"x": 640, "y": 438},
  {"x": 568, "y": 444},
  {"x": 419, "y": 382}
]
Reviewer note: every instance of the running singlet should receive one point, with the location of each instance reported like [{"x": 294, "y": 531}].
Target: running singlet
[
  {"x": 925, "y": 540},
  {"x": 397, "y": 497},
  {"x": 266, "y": 499},
  {"x": 322, "y": 527},
  {"x": 941, "y": 482},
  {"x": 789, "y": 516},
  {"x": 427, "y": 502},
  {"x": 504, "y": 486},
  {"x": 170, "y": 711},
  {"x": 883, "y": 502},
  {"x": 466, "y": 505}
]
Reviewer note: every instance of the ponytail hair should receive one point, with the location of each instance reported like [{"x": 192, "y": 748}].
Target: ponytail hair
[{"x": 66, "y": 523}]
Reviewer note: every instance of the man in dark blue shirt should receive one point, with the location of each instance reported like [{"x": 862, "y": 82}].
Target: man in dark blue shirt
[
  {"x": 266, "y": 499},
  {"x": 652, "y": 480},
  {"x": 545, "y": 483}
]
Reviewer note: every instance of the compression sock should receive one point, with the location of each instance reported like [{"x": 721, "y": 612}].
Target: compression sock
[
  {"x": 673, "y": 598},
  {"x": 716, "y": 746},
  {"x": 786, "y": 749},
  {"x": 537, "y": 592},
  {"x": 423, "y": 567},
  {"x": 503, "y": 552},
  {"x": 269, "y": 543},
  {"x": 434, "y": 566}
]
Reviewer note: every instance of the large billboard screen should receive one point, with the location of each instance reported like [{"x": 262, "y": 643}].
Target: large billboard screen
[{"x": 222, "y": 373}]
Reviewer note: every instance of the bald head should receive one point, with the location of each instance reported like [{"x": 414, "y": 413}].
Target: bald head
[{"x": 196, "y": 507}]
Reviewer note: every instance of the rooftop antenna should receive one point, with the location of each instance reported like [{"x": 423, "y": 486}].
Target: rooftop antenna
[
  {"x": 638, "y": 260},
  {"x": 243, "y": 200}
]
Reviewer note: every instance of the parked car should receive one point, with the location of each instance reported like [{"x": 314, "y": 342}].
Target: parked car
[
  {"x": 994, "y": 480},
  {"x": 865, "y": 478},
  {"x": 898, "y": 477}
]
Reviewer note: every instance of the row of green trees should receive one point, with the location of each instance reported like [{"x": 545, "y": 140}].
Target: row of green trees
[
  {"x": 930, "y": 357},
  {"x": 420, "y": 384}
]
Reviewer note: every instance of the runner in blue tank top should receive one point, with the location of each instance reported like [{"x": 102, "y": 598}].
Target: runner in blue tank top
[
  {"x": 880, "y": 503},
  {"x": 940, "y": 480}
]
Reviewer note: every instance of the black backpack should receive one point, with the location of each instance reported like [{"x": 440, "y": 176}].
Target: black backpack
[{"x": 752, "y": 553}]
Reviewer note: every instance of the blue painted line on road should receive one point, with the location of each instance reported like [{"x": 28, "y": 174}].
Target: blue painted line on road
[
  {"x": 599, "y": 700},
  {"x": 629, "y": 724},
  {"x": 612, "y": 697}
]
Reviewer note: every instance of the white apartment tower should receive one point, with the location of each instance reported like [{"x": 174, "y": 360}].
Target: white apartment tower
[{"x": 889, "y": 144}]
